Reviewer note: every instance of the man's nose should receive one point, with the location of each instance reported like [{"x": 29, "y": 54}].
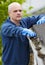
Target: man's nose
[{"x": 18, "y": 12}]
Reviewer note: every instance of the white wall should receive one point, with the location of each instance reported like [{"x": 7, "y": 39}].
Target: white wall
[{"x": 37, "y": 4}]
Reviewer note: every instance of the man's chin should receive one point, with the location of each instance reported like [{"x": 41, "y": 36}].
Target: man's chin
[{"x": 18, "y": 19}]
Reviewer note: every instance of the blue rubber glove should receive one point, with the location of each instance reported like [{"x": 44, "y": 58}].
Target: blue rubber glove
[
  {"x": 41, "y": 21},
  {"x": 28, "y": 32}
]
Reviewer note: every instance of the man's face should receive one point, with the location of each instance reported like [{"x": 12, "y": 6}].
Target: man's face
[{"x": 16, "y": 13}]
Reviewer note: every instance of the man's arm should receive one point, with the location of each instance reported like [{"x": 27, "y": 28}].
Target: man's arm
[
  {"x": 12, "y": 31},
  {"x": 41, "y": 21},
  {"x": 30, "y": 21}
]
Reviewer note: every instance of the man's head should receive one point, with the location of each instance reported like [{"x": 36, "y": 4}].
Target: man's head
[{"x": 15, "y": 12}]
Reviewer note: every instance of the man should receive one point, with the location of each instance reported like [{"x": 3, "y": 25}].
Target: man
[{"x": 14, "y": 36}]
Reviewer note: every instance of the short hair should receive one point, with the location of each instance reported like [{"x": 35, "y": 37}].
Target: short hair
[{"x": 11, "y": 5}]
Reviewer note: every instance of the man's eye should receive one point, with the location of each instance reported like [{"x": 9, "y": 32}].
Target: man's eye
[
  {"x": 20, "y": 10},
  {"x": 15, "y": 11}
]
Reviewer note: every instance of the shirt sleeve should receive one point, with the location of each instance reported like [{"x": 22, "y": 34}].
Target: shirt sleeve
[
  {"x": 30, "y": 21},
  {"x": 10, "y": 30}
]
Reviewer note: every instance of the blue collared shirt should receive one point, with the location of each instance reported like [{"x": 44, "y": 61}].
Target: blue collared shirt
[{"x": 16, "y": 46}]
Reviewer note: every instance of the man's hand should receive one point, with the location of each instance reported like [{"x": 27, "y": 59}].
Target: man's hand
[
  {"x": 41, "y": 21},
  {"x": 28, "y": 32}
]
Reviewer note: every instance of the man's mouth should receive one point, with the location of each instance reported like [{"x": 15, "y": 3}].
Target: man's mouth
[{"x": 18, "y": 16}]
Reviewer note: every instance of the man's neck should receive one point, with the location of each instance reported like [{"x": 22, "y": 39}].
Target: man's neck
[{"x": 15, "y": 22}]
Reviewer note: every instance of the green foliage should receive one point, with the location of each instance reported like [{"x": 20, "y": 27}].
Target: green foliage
[
  {"x": 30, "y": 7},
  {"x": 25, "y": 12},
  {"x": 3, "y": 12},
  {"x": 16, "y": 1}
]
